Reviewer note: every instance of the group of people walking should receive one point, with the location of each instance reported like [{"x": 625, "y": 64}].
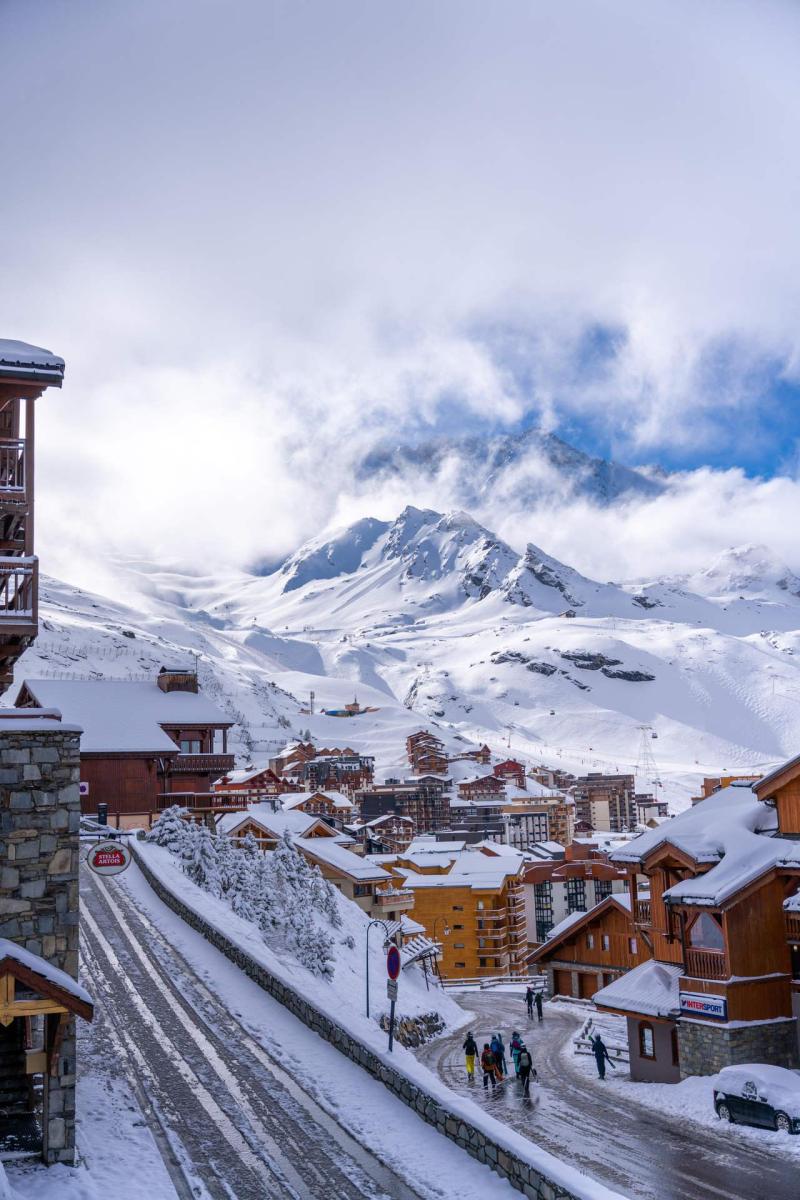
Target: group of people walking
[{"x": 492, "y": 1059}]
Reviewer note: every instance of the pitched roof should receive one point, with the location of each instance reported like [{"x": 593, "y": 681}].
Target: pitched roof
[
  {"x": 650, "y": 989},
  {"x": 329, "y": 851},
  {"x": 293, "y": 799},
  {"x": 124, "y": 715},
  {"x": 570, "y": 924},
  {"x": 277, "y": 823},
  {"x": 49, "y": 979}
]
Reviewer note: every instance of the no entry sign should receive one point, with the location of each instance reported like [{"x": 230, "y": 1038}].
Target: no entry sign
[
  {"x": 393, "y": 962},
  {"x": 108, "y": 858}
]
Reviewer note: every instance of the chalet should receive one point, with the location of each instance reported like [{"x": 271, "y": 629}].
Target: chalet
[
  {"x": 253, "y": 783},
  {"x": 510, "y": 771},
  {"x": 333, "y": 807},
  {"x": 25, "y": 373},
  {"x": 143, "y": 741},
  {"x": 483, "y": 787},
  {"x": 426, "y": 753},
  {"x": 720, "y": 986},
  {"x": 589, "y": 950},
  {"x": 341, "y": 771},
  {"x": 389, "y": 834},
  {"x": 359, "y": 879}
]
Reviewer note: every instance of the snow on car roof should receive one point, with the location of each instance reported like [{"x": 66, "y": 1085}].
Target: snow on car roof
[
  {"x": 651, "y": 988},
  {"x": 125, "y": 715},
  {"x": 778, "y": 1086}
]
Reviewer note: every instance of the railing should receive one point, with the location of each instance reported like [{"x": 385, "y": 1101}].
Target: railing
[
  {"x": 18, "y": 585},
  {"x": 202, "y": 762},
  {"x": 706, "y": 964},
  {"x": 12, "y": 466},
  {"x": 395, "y": 898},
  {"x": 643, "y": 912},
  {"x": 793, "y": 926}
]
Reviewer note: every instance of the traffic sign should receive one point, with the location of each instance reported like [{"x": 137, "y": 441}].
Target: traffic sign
[
  {"x": 393, "y": 962},
  {"x": 108, "y": 858},
  {"x": 391, "y": 989}
]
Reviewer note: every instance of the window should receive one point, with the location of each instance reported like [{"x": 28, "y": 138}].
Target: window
[
  {"x": 458, "y": 908},
  {"x": 190, "y": 745},
  {"x": 706, "y": 931},
  {"x": 576, "y": 895},
  {"x": 362, "y": 889},
  {"x": 605, "y": 941},
  {"x": 602, "y": 889},
  {"x": 633, "y": 946},
  {"x": 458, "y": 927},
  {"x": 590, "y": 941},
  {"x": 647, "y": 1041},
  {"x": 459, "y": 946},
  {"x": 459, "y": 966}
]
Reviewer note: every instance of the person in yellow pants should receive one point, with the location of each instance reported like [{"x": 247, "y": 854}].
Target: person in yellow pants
[{"x": 470, "y": 1050}]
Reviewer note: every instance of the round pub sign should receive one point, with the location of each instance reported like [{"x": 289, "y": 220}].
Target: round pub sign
[{"x": 108, "y": 858}]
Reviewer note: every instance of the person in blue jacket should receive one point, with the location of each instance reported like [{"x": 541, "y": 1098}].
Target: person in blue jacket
[{"x": 601, "y": 1055}]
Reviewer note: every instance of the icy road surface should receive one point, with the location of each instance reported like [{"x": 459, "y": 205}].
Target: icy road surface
[
  {"x": 638, "y": 1151},
  {"x": 243, "y": 1096}
]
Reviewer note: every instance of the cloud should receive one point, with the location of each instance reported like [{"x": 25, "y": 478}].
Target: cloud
[{"x": 265, "y": 238}]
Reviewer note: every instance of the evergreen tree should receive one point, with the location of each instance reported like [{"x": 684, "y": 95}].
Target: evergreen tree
[
  {"x": 170, "y": 829},
  {"x": 202, "y": 866}
]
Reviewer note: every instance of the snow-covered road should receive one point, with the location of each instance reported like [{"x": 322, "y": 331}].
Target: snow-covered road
[
  {"x": 245, "y": 1096},
  {"x": 641, "y": 1153}
]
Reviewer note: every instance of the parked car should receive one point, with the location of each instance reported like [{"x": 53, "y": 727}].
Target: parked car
[{"x": 759, "y": 1094}]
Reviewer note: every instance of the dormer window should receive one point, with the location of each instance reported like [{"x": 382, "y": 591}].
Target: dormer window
[{"x": 705, "y": 932}]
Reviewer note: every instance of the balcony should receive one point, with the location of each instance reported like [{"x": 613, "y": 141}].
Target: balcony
[
  {"x": 19, "y": 579},
  {"x": 792, "y": 926},
  {"x": 706, "y": 964},
  {"x": 12, "y": 470},
  {"x": 643, "y": 913},
  {"x": 201, "y": 764},
  {"x": 394, "y": 898}
]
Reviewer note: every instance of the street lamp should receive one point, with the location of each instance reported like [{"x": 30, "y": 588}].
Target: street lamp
[
  {"x": 446, "y": 933},
  {"x": 375, "y": 921}
]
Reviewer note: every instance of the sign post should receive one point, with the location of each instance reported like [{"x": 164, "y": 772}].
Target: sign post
[
  {"x": 108, "y": 858},
  {"x": 393, "y": 972}
]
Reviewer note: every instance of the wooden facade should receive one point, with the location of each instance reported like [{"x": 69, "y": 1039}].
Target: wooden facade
[{"x": 592, "y": 951}]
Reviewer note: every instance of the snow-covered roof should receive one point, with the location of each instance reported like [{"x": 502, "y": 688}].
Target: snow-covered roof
[
  {"x": 277, "y": 823},
  {"x": 549, "y": 847},
  {"x": 571, "y": 919},
  {"x": 423, "y": 845},
  {"x": 124, "y": 715},
  {"x": 291, "y": 800},
  {"x": 651, "y": 989},
  {"x": 20, "y": 360},
  {"x": 44, "y": 969},
  {"x": 329, "y": 851},
  {"x": 469, "y": 869},
  {"x": 242, "y": 775}
]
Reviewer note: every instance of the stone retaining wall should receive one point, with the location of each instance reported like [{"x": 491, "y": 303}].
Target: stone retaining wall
[
  {"x": 521, "y": 1175},
  {"x": 705, "y": 1049}
]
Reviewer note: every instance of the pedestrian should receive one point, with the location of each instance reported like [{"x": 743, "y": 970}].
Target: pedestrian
[
  {"x": 499, "y": 1052},
  {"x": 470, "y": 1050},
  {"x": 488, "y": 1066},
  {"x": 516, "y": 1045},
  {"x": 529, "y": 1002},
  {"x": 601, "y": 1055},
  {"x": 538, "y": 1002},
  {"x": 525, "y": 1069}
]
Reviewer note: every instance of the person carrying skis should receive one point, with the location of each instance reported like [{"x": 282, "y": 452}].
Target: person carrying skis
[
  {"x": 499, "y": 1052},
  {"x": 516, "y": 1046},
  {"x": 529, "y": 1002},
  {"x": 538, "y": 1002},
  {"x": 488, "y": 1066},
  {"x": 525, "y": 1069},
  {"x": 601, "y": 1055},
  {"x": 470, "y": 1050}
]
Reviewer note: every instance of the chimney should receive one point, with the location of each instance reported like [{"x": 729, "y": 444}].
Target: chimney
[{"x": 178, "y": 679}]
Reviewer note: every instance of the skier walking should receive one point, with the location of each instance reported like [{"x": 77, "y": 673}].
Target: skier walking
[
  {"x": 499, "y": 1052},
  {"x": 516, "y": 1046},
  {"x": 488, "y": 1066},
  {"x": 538, "y": 1002},
  {"x": 529, "y": 1002},
  {"x": 470, "y": 1050},
  {"x": 525, "y": 1069},
  {"x": 601, "y": 1055}
]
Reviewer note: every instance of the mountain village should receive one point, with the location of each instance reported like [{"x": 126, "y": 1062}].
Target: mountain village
[{"x": 158, "y": 874}]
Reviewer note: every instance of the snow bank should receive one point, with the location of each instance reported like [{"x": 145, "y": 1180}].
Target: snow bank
[{"x": 337, "y": 1018}]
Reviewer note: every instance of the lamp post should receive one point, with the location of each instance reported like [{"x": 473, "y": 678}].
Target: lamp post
[
  {"x": 375, "y": 921},
  {"x": 436, "y": 921}
]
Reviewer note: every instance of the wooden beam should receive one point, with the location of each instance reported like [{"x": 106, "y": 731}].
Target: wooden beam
[{"x": 64, "y": 1000}]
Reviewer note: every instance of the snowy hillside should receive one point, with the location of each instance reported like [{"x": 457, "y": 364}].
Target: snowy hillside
[{"x": 433, "y": 619}]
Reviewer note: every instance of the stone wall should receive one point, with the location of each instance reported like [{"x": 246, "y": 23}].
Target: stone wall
[
  {"x": 39, "y": 839},
  {"x": 523, "y": 1176},
  {"x": 706, "y": 1049}
]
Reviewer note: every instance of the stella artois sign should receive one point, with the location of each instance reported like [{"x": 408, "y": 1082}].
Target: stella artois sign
[{"x": 108, "y": 858}]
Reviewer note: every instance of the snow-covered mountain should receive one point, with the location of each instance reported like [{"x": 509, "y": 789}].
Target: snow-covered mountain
[
  {"x": 433, "y": 619},
  {"x": 528, "y": 466}
]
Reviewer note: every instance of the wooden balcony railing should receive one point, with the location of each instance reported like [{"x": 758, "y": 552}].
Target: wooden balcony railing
[
  {"x": 793, "y": 926},
  {"x": 706, "y": 964},
  {"x": 395, "y": 898},
  {"x": 643, "y": 912},
  {"x": 185, "y": 763},
  {"x": 18, "y": 589},
  {"x": 12, "y": 467}
]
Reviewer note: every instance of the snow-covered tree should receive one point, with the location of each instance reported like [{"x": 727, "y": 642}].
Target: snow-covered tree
[
  {"x": 202, "y": 864},
  {"x": 170, "y": 829}
]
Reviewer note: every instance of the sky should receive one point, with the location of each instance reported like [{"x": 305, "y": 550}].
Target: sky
[{"x": 265, "y": 235}]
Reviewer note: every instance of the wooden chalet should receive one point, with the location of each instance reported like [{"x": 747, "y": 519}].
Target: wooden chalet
[
  {"x": 389, "y": 834},
  {"x": 253, "y": 784},
  {"x": 25, "y": 373},
  {"x": 333, "y": 807},
  {"x": 589, "y": 950},
  {"x": 510, "y": 771},
  {"x": 483, "y": 787},
  {"x": 722, "y": 986},
  {"x": 145, "y": 744},
  {"x": 426, "y": 753}
]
